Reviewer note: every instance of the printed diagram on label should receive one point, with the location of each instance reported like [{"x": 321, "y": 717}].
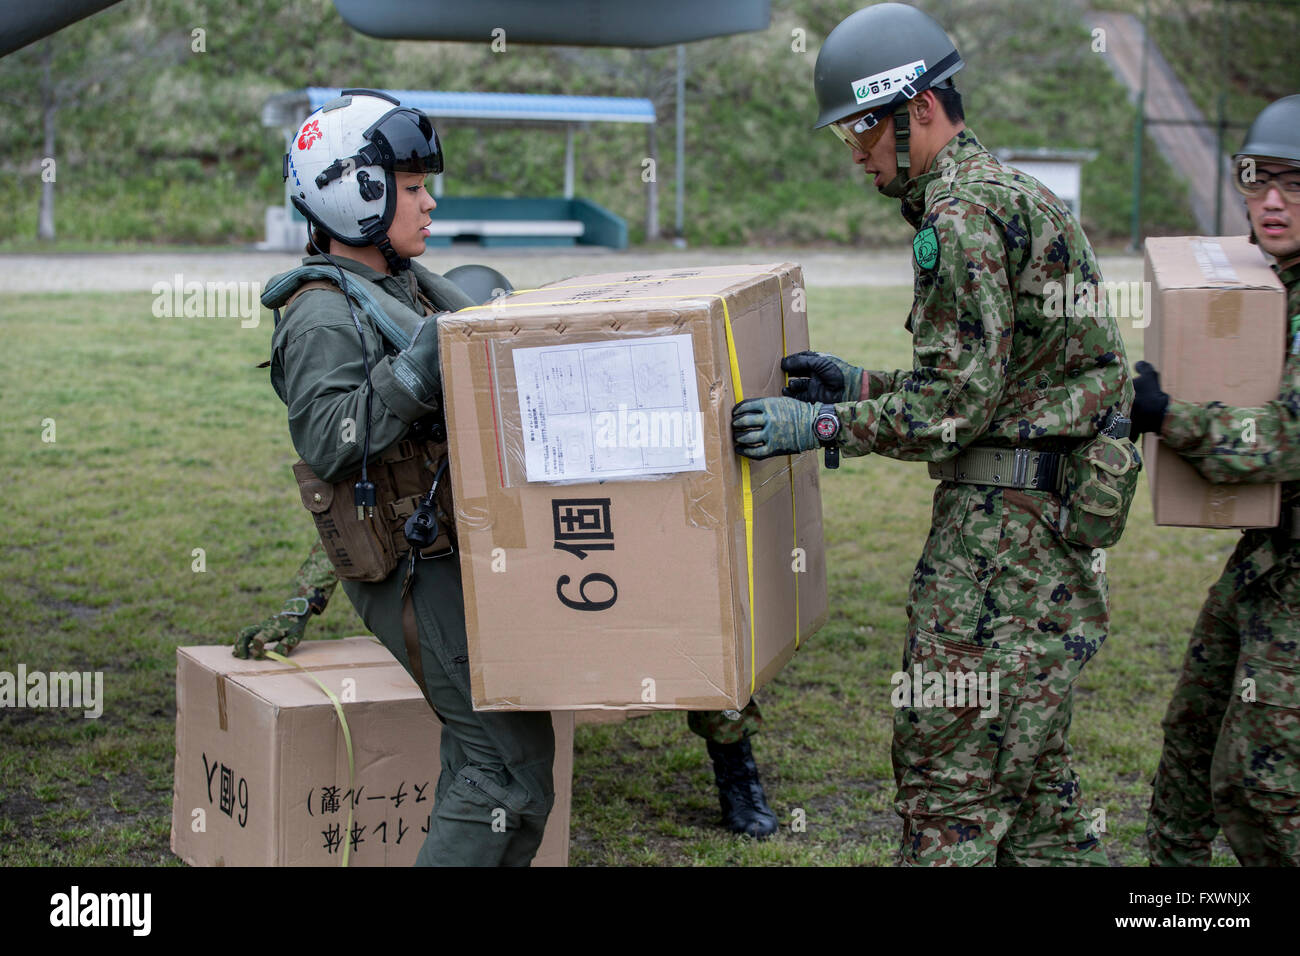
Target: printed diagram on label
[{"x": 610, "y": 409}]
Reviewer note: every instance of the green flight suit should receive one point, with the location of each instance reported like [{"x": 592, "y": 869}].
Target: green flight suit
[
  {"x": 491, "y": 761},
  {"x": 1231, "y": 756}
]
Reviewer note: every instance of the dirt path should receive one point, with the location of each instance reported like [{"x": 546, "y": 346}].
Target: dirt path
[{"x": 137, "y": 272}]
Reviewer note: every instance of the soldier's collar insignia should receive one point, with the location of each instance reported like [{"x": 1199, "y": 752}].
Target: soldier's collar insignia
[{"x": 925, "y": 247}]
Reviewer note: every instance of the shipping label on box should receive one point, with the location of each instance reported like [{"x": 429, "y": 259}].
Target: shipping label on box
[
  {"x": 615, "y": 551},
  {"x": 1217, "y": 315},
  {"x": 262, "y": 767}
]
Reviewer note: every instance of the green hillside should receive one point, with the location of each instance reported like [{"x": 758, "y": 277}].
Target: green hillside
[
  {"x": 165, "y": 145},
  {"x": 1243, "y": 50}
]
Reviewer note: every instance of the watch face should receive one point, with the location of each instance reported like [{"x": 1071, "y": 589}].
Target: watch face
[{"x": 826, "y": 427}]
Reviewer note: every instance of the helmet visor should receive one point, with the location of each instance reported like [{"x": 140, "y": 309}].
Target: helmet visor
[
  {"x": 860, "y": 132},
  {"x": 408, "y": 142}
]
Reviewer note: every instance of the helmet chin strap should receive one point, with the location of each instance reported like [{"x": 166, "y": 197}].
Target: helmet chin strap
[
  {"x": 374, "y": 232},
  {"x": 897, "y": 186}
]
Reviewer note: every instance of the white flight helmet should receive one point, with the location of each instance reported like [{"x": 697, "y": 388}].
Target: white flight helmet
[{"x": 343, "y": 160}]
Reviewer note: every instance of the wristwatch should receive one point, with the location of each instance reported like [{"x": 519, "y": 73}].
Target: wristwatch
[{"x": 826, "y": 427}]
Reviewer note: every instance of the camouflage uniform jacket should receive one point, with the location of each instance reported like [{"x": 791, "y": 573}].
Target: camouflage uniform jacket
[
  {"x": 1209, "y": 436},
  {"x": 997, "y": 351}
]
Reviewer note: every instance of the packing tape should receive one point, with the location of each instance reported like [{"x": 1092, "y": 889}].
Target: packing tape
[
  {"x": 1219, "y": 507},
  {"x": 794, "y": 512},
  {"x": 347, "y": 739},
  {"x": 746, "y": 489},
  {"x": 747, "y": 497},
  {"x": 1224, "y": 318}
]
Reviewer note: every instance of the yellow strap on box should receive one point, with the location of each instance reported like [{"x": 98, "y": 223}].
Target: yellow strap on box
[{"x": 347, "y": 739}]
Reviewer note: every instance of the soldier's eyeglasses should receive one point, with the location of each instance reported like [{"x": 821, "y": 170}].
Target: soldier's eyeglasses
[
  {"x": 860, "y": 132},
  {"x": 1256, "y": 182}
]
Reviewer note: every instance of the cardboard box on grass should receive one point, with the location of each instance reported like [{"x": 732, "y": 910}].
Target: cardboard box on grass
[
  {"x": 615, "y": 552},
  {"x": 262, "y": 768},
  {"x": 1216, "y": 332}
]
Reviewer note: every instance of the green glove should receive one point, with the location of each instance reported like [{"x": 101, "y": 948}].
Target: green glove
[
  {"x": 830, "y": 379},
  {"x": 285, "y": 629},
  {"x": 416, "y": 366},
  {"x": 313, "y": 584},
  {"x": 766, "y": 427}
]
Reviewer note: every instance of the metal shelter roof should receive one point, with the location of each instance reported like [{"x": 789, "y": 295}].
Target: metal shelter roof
[{"x": 517, "y": 109}]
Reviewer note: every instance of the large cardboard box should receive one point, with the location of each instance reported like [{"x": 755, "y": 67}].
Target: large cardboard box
[
  {"x": 262, "y": 767},
  {"x": 615, "y": 551},
  {"x": 1216, "y": 332}
]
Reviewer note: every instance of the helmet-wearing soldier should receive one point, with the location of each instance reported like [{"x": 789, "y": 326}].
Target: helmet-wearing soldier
[
  {"x": 355, "y": 360},
  {"x": 1231, "y": 755},
  {"x": 1001, "y": 397}
]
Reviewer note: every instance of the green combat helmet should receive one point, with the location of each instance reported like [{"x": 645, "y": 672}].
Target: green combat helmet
[
  {"x": 876, "y": 60},
  {"x": 1275, "y": 135}
]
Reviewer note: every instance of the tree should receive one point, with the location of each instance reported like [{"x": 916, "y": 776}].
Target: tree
[{"x": 94, "y": 59}]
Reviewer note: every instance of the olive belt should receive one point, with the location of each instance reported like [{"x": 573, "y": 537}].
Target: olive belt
[{"x": 1003, "y": 467}]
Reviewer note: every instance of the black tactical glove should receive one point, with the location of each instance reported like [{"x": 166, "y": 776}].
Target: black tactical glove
[
  {"x": 764, "y": 427},
  {"x": 829, "y": 380},
  {"x": 1149, "y": 402}
]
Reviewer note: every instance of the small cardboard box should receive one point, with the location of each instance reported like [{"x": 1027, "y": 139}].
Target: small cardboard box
[
  {"x": 1216, "y": 332},
  {"x": 615, "y": 552},
  {"x": 262, "y": 767}
]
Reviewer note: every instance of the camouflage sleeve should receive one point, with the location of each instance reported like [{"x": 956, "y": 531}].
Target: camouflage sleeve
[
  {"x": 313, "y": 584},
  {"x": 1230, "y": 445},
  {"x": 961, "y": 337},
  {"x": 880, "y": 382},
  {"x": 316, "y": 574}
]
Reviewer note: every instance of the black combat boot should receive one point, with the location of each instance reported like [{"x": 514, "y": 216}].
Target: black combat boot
[{"x": 744, "y": 805}]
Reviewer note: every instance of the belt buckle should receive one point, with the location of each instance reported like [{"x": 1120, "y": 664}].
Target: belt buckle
[{"x": 1020, "y": 468}]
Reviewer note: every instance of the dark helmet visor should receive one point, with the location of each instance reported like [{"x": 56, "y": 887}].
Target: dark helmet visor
[{"x": 408, "y": 142}]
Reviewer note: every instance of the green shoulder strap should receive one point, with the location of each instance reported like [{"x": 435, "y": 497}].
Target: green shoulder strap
[{"x": 283, "y": 286}]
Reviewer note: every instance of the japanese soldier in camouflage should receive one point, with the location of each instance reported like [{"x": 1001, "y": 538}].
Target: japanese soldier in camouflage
[
  {"x": 1001, "y": 396},
  {"x": 1231, "y": 756}
]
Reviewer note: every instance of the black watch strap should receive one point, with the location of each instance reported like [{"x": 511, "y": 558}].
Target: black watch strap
[{"x": 826, "y": 428}]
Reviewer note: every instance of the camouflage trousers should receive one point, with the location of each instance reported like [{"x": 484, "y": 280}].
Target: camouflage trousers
[
  {"x": 997, "y": 599},
  {"x": 1231, "y": 756},
  {"x": 714, "y": 725}
]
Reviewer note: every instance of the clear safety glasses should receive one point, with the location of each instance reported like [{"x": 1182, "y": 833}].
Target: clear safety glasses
[{"x": 1252, "y": 182}]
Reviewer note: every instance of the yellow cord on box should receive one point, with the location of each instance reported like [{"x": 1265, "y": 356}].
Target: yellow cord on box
[{"x": 347, "y": 739}]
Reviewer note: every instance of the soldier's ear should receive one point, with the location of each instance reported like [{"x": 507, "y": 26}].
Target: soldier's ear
[{"x": 922, "y": 107}]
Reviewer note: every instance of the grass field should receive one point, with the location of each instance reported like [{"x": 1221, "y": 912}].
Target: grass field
[{"x": 167, "y": 440}]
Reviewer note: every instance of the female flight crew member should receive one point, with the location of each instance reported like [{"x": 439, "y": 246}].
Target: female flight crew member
[{"x": 357, "y": 168}]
